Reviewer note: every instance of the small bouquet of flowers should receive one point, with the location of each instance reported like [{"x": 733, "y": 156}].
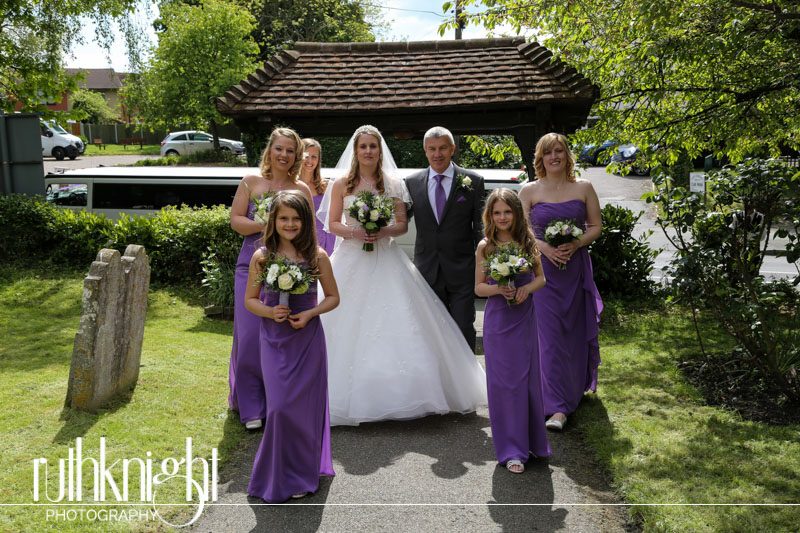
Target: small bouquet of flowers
[
  {"x": 373, "y": 211},
  {"x": 561, "y": 231},
  {"x": 263, "y": 204},
  {"x": 285, "y": 277},
  {"x": 506, "y": 262}
]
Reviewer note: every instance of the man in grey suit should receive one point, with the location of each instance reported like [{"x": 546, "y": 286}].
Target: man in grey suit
[{"x": 447, "y": 205}]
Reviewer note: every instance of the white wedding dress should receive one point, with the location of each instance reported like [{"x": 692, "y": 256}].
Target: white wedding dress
[{"x": 394, "y": 352}]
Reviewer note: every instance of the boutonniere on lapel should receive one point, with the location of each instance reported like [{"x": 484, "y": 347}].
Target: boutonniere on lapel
[{"x": 463, "y": 182}]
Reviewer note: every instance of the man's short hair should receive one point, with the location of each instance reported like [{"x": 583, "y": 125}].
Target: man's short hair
[{"x": 436, "y": 132}]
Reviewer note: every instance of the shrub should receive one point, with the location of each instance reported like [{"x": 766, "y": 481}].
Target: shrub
[
  {"x": 206, "y": 157},
  {"x": 78, "y": 236},
  {"x": 176, "y": 239},
  {"x": 218, "y": 279},
  {"x": 721, "y": 243},
  {"x": 24, "y": 226},
  {"x": 622, "y": 263}
]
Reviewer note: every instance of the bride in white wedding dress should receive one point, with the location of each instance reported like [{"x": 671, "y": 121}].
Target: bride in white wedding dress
[{"x": 394, "y": 352}]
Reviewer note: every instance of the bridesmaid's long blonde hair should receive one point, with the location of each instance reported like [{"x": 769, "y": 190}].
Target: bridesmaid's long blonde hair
[
  {"x": 316, "y": 177},
  {"x": 520, "y": 230},
  {"x": 266, "y": 167},
  {"x": 546, "y": 144}
]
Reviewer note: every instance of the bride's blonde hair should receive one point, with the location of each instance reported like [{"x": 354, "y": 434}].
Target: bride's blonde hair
[{"x": 354, "y": 174}]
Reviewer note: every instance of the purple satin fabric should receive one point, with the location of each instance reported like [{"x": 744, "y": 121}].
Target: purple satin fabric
[
  {"x": 567, "y": 316},
  {"x": 325, "y": 240},
  {"x": 516, "y": 408},
  {"x": 296, "y": 447},
  {"x": 244, "y": 375}
]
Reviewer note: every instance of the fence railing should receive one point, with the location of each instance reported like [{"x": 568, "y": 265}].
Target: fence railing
[{"x": 117, "y": 133}]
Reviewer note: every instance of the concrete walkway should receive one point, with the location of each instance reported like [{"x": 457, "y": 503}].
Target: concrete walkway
[
  {"x": 432, "y": 474},
  {"x": 626, "y": 191}
]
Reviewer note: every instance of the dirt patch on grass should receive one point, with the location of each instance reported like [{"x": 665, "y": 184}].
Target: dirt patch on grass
[{"x": 734, "y": 384}]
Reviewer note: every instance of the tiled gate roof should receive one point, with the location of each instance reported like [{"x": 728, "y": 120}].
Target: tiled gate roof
[{"x": 342, "y": 78}]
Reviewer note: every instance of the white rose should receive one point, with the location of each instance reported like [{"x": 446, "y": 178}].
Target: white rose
[
  {"x": 466, "y": 181},
  {"x": 360, "y": 203},
  {"x": 272, "y": 273},
  {"x": 374, "y": 215},
  {"x": 576, "y": 232},
  {"x": 513, "y": 259},
  {"x": 285, "y": 282},
  {"x": 503, "y": 270}
]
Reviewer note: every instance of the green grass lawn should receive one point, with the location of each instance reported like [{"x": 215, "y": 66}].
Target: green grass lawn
[
  {"x": 181, "y": 392},
  {"x": 662, "y": 445},
  {"x": 647, "y": 427},
  {"x": 119, "y": 149}
]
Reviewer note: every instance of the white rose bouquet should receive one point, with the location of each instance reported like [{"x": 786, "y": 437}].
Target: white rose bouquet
[
  {"x": 506, "y": 262},
  {"x": 373, "y": 211},
  {"x": 561, "y": 231},
  {"x": 263, "y": 205},
  {"x": 285, "y": 277}
]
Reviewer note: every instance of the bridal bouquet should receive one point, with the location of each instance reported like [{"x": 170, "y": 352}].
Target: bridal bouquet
[
  {"x": 506, "y": 262},
  {"x": 285, "y": 277},
  {"x": 263, "y": 204},
  {"x": 373, "y": 211},
  {"x": 561, "y": 231}
]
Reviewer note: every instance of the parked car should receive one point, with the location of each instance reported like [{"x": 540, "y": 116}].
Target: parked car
[
  {"x": 594, "y": 155},
  {"x": 190, "y": 142},
  {"x": 58, "y": 143},
  {"x": 629, "y": 154}
]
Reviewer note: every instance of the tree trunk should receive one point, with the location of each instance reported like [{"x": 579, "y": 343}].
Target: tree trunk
[{"x": 215, "y": 134}]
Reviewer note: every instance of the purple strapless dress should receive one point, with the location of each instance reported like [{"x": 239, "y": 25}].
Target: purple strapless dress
[
  {"x": 296, "y": 447},
  {"x": 325, "y": 240},
  {"x": 514, "y": 382},
  {"x": 567, "y": 316},
  {"x": 244, "y": 376}
]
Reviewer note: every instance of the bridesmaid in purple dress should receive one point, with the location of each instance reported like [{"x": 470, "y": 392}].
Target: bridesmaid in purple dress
[
  {"x": 568, "y": 308},
  {"x": 296, "y": 448},
  {"x": 279, "y": 167},
  {"x": 311, "y": 176},
  {"x": 513, "y": 378}
]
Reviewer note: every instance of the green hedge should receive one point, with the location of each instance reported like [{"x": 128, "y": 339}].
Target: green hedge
[
  {"x": 621, "y": 262},
  {"x": 176, "y": 239},
  {"x": 198, "y": 246}
]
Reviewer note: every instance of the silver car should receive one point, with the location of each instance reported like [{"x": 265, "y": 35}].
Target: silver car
[{"x": 190, "y": 142}]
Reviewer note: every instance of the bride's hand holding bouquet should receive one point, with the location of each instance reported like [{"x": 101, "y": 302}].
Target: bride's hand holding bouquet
[{"x": 373, "y": 212}]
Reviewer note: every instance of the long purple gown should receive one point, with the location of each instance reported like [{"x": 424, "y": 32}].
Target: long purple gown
[
  {"x": 514, "y": 382},
  {"x": 296, "y": 447},
  {"x": 567, "y": 316},
  {"x": 244, "y": 375},
  {"x": 325, "y": 240}
]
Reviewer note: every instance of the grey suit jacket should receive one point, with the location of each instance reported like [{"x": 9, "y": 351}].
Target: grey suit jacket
[{"x": 451, "y": 244}]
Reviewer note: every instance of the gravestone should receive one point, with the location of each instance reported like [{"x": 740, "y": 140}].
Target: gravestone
[{"x": 108, "y": 344}]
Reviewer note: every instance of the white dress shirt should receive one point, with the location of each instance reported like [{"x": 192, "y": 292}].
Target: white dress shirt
[{"x": 447, "y": 181}]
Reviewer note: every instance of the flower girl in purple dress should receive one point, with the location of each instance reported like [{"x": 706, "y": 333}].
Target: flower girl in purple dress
[
  {"x": 516, "y": 409},
  {"x": 295, "y": 449}
]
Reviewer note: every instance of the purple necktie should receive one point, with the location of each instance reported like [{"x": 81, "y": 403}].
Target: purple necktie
[{"x": 439, "y": 196}]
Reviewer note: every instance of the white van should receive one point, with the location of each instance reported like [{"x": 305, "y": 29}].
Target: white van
[
  {"x": 58, "y": 143},
  {"x": 144, "y": 190}
]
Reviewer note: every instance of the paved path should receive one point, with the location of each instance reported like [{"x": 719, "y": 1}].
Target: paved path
[
  {"x": 51, "y": 165},
  {"x": 627, "y": 191},
  {"x": 432, "y": 474}
]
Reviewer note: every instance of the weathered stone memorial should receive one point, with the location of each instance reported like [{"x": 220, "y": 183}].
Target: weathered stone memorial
[{"x": 108, "y": 345}]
